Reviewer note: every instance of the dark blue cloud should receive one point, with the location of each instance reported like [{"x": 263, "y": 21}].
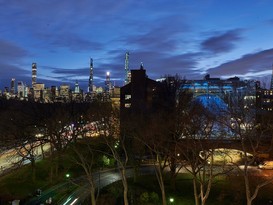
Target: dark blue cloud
[
  {"x": 249, "y": 65},
  {"x": 11, "y": 58},
  {"x": 222, "y": 43},
  {"x": 10, "y": 52}
]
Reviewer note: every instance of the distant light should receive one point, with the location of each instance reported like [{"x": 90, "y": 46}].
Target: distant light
[
  {"x": 108, "y": 73},
  {"x": 67, "y": 175},
  {"x": 171, "y": 200}
]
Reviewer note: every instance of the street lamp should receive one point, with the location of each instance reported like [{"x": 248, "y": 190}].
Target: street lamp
[
  {"x": 67, "y": 175},
  {"x": 171, "y": 200}
]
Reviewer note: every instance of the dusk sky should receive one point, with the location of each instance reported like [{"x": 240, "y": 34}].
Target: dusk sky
[{"x": 185, "y": 37}]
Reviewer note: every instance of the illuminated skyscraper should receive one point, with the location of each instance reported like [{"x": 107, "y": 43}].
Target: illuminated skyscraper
[
  {"x": 39, "y": 91},
  {"x": 34, "y": 73},
  {"x": 107, "y": 82},
  {"x": 90, "y": 85},
  {"x": 64, "y": 92},
  {"x": 107, "y": 89},
  {"x": 20, "y": 89},
  {"x": 12, "y": 86},
  {"x": 77, "y": 87},
  {"x": 127, "y": 71},
  {"x": 271, "y": 85}
]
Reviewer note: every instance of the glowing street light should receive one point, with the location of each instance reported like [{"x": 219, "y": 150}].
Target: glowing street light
[{"x": 171, "y": 200}]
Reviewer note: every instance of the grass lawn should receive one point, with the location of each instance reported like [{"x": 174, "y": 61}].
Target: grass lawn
[
  {"x": 145, "y": 191},
  {"x": 225, "y": 191},
  {"x": 19, "y": 184}
]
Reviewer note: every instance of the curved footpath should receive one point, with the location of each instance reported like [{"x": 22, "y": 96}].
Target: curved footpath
[{"x": 101, "y": 178}]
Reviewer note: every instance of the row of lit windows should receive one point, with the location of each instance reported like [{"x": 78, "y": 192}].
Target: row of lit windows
[
  {"x": 267, "y": 100},
  {"x": 268, "y": 109},
  {"x": 268, "y": 92}
]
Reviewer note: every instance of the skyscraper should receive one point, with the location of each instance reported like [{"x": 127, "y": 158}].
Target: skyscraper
[
  {"x": 90, "y": 85},
  {"x": 107, "y": 82},
  {"x": 21, "y": 89},
  {"x": 77, "y": 87},
  {"x": 271, "y": 84},
  {"x": 108, "y": 86},
  {"x": 12, "y": 86},
  {"x": 34, "y": 73},
  {"x": 127, "y": 71}
]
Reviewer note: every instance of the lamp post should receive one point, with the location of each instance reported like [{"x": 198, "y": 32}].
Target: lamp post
[
  {"x": 171, "y": 200},
  {"x": 67, "y": 175}
]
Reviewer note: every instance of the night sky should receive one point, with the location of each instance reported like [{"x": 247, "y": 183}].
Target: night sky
[{"x": 224, "y": 38}]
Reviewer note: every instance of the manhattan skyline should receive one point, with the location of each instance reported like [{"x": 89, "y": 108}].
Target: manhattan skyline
[{"x": 189, "y": 38}]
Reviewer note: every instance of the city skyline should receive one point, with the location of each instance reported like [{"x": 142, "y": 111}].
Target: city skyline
[{"x": 189, "y": 38}]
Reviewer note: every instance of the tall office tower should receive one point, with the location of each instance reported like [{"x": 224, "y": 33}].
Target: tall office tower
[
  {"x": 34, "y": 73},
  {"x": 12, "y": 86},
  {"x": 107, "y": 82},
  {"x": 271, "y": 86},
  {"x": 90, "y": 85},
  {"x": 77, "y": 87},
  {"x": 141, "y": 66},
  {"x": 107, "y": 88},
  {"x": 127, "y": 71},
  {"x": 64, "y": 91},
  {"x": 20, "y": 89}
]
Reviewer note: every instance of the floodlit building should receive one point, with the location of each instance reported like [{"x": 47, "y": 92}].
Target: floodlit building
[
  {"x": 77, "y": 94},
  {"x": 65, "y": 92},
  {"x": 108, "y": 87},
  {"x": 265, "y": 99},
  {"x": 34, "y": 73},
  {"x": 115, "y": 96},
  {"x": 38, "y": 91},
  {"x": 21, "y": 90},
  {"x": 230, "y": 91},
  {"x": 127, "y": 70},
  {"x": 12, "y": 86},
  {"x": 90, "y": 84}
]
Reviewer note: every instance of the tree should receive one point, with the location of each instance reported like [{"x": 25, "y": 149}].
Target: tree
[
  {"x": 161, "y": 129},
  {"x": 106, "y": 118},
  {"x": 158, "y": 144},
  {"x": 20, "y": 124},
  {"x": 85, "y": 155},
  {"x": 61, "y": 124},
  {"x": 199, "y": 130},
  {"x": 255, "y": 141}
]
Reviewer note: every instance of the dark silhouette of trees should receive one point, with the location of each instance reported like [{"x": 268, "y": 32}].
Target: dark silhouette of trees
[
  {"x": 197, "y": 149},
  {"x": 255, "y": 142},
  {"x": 85, "y": 154},
  {"x": 19, "y": 128}
]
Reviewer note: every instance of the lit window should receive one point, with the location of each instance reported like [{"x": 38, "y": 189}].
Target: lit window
[
  {"x": 127, "y": 105},
  {"x": 127, "y": 97}
]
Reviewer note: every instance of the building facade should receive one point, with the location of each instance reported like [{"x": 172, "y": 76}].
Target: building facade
[{"x": 138, "y": 96}]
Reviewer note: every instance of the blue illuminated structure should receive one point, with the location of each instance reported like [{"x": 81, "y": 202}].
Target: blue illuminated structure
[
  {"x": 220, "y": 98},
  {"x": 220, "y": 91},
  {"x": 213, "y": 103}
]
